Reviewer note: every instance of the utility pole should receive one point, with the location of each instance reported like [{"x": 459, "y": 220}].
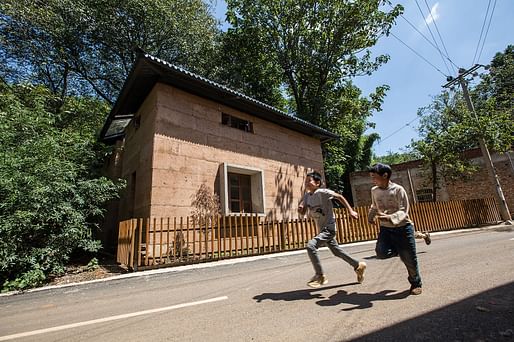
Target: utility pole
[{"x": 498, "y": 193}]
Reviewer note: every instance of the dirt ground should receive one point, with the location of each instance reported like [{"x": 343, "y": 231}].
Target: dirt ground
[{"x": 79, "y": 270}]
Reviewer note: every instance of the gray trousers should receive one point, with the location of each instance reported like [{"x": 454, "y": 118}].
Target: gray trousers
[{"x": 327, "y": 238}]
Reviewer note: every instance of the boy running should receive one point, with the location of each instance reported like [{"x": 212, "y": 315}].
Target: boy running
[
  {"x": 390, "y": 204},
  {"x": 317, "y": 203}
]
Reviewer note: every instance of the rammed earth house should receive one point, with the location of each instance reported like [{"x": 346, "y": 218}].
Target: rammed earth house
[{"x": 175, "y": 131}]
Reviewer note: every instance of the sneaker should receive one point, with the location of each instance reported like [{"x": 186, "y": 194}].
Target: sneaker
[
  {"x": 317, "y": 281},
  {"x": 415, "y": 290},
  {"x": 360, "y": 271},
  {"x": 427, "y": 238}
]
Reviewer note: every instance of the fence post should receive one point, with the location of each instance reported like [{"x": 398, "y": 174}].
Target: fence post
[{"x": 136, "y": 246}]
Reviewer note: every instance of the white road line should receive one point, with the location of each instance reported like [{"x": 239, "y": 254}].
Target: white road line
[{"x": 111, "y": 318}]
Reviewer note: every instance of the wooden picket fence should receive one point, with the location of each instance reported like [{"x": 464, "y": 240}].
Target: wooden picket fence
[{"x": 158, "y": 242}]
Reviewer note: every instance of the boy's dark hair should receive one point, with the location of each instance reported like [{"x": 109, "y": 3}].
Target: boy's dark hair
[
  {"x": 316, "y": 176},
  {"x": 381, "y": 169}
]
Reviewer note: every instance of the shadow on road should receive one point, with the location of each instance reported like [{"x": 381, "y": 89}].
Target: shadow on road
[
  {"x": 306, "y": 294},
  {"x": 361, "y": 300},
  {"x": 488, "y": 316},
  {"x": 374, "y": 256}
]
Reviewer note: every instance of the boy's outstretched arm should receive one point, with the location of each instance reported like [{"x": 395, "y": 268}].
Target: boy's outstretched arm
[{"x": 347, "y": 205}]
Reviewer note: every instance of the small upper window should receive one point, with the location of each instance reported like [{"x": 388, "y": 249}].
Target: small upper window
[{"x": 238, "y": 123}]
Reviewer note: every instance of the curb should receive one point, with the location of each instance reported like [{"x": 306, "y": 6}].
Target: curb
[{"x": 222, "y": 263}]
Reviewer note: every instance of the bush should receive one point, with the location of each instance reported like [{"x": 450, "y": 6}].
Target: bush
[{"x": 51, "y": 191}]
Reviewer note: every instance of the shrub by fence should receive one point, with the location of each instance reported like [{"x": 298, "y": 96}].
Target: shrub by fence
[{"x": 156, "y": 242}]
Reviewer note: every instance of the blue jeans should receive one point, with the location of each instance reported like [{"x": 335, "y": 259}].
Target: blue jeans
[
  {"x": 327, "y": 237},
  {"x": 400, "y": 241}
]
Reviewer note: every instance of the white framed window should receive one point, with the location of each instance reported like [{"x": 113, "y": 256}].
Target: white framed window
[{"x": 241, "y": 190}]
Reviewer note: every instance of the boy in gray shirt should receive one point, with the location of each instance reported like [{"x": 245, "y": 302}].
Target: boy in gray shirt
[{"x": 318, "y": 204}]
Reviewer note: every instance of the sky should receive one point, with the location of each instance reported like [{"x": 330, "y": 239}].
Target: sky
[{"x": 467, "y": 32}]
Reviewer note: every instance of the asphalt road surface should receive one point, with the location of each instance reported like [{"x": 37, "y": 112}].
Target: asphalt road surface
[{"x": 468, "y": 295}]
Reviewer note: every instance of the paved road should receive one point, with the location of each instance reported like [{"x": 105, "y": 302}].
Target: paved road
[{"x": 468, "y": 296}]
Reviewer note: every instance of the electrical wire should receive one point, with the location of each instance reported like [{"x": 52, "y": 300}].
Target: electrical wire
[
  {"x": 487, "y": 31},
  {"x": 433, "y": 38},
  {"x": 398, "y": 130},
  {"x": 481, "y": 32},
  {"x": 428, "y": 40},
  {"x": 439, "y": 34},
  {"x": 419, "y": 55}
]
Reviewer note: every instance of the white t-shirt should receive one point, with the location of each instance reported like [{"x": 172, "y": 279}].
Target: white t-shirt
[{"x": 393, "y": 201}]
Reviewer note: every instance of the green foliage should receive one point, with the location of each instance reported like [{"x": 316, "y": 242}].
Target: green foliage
[
  {"x": 92, "y": 264},
  {"x": 493, "y": 99},
  {"x": 347, "y": 116},
  {"x": 497, "y": 86},
  {"x": 52, "y": 198},
  {"x": 447, "y": 128},
  {"x": 308, "y": 52},
  {"x": 88, "y": 46},
  {"x": 316, "y": 45},
  {"x": 392, "y": 158}
]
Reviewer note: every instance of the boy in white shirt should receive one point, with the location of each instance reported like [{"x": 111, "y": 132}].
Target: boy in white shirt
[
  {"x": 317, "y": 202},
  {"x": 390, "y": 204}
]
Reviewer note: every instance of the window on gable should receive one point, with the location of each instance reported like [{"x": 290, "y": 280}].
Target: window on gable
[
  {"x": 241, "y": 190},
  {"x": 232, "y": 121}
]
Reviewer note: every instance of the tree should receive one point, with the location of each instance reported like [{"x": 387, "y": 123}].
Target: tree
[
  {"x": 392, "y": 158},
  {"x": 88, "y": 46},
  {"x": 497, "y": 84},
  {"x": 52, "y": 196},
  {"x": 317, "y": 44},
  {"x": 445, "y": 129},
  {"x": 317, "y": 47},
  {"x": 353, "y": 150},
  {"x": 493, "y": 99}
]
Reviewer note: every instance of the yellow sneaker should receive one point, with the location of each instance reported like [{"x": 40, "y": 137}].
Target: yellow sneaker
[
  {"x": 360, "y": 271},
  {"x": 317, "y": 281}
]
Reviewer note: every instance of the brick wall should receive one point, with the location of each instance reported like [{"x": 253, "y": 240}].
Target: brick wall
[{"x": 477, "y": 186}]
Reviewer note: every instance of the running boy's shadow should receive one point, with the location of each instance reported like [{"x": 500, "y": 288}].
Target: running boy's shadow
[
  {"x": 297, "y": 294},
  {"x": 361, "y": 300},
  {"x": 396, "y": 256}
]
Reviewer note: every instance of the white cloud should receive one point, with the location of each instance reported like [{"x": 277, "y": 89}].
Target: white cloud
[{"x": 434, "y": 14}]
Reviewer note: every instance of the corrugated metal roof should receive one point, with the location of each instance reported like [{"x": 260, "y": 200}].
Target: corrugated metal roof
[{"x": 149, "y": 70}]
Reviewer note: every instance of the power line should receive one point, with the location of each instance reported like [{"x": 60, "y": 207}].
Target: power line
[
  {"x": 439, "y": 34},
  {"x": 399, "y": 129},
  {"x": 481, "y": 32},
  {"x": 426, "y": 60},
  {"x": 487, "y": 31},
  {"x": 425, "y": 37},
  {"x": 433, "y": 38}
]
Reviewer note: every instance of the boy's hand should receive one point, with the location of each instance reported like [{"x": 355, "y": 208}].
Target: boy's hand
[
  {"x": 301, "y": 209},
  {"x": 354, "y": 214},
  {"x": 384, "y": 216}
]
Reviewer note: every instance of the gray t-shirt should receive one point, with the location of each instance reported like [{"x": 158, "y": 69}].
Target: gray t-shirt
[{"x": 320, "y": 208}]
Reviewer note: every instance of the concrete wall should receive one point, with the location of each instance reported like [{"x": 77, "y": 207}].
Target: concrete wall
[
  {"x": 477, "y": 186},
  {"x": 181, "y": 144}
]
